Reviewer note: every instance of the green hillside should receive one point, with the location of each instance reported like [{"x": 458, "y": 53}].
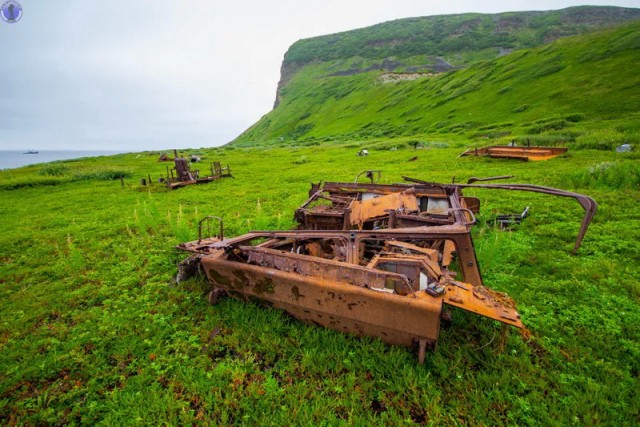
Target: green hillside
[
  {"x": 580, "y": 89},
  {"x": 457, "y": 38}
]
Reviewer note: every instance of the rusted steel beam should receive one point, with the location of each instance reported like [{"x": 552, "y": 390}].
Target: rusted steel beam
[{"x": 491, "y": 178}]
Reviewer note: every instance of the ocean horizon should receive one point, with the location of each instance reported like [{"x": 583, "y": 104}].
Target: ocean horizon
[{"x": 10, "y": 159}]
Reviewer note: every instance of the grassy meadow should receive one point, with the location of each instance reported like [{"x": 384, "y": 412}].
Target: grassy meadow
[{"x": 93, "y": 330}]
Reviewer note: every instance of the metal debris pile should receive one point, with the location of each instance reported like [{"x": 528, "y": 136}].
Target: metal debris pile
[{"x": 368, "y": 259}]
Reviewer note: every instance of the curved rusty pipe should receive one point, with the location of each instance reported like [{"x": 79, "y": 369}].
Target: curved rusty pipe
[
  {"x": 589, "y": 205},
  {"x": 491, "y": 178}
]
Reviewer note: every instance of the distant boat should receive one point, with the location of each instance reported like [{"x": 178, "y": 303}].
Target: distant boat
[{"x": 31, "y": 152}]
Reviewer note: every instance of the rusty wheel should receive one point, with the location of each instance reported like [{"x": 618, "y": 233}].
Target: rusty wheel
[{"x": 215, "y": 295}]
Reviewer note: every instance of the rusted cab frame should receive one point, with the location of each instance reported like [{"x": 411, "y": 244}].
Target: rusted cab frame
[{"x": 335, "y": 205}]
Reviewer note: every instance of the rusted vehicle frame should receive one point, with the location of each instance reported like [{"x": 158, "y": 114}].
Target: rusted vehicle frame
[
  {"x": 368, "y": 259},
  {"x": 351, "y": 297}
]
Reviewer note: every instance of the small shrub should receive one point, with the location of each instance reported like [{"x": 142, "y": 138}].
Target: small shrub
[
  {"x": 106, "y": 175},
  {"x": 16, "y": 185},
  {"x": 301, "y": 160},
  {"x": 614, "y": 175},
  {"x": 574, "y": 118},
  {"x": 300, "y": 131},
  {"x": 54, "y": 170},
  {"x": 490, "y": 135},
  {"x": 556, "y": 124},
  {"x": 606, "y": 140},
  {"x": 308, "y": 143},
  {"x": 387, "y": 146},
  {"x": 521, "y": 108},
  {"x": 548, "y": 139},
  {"x": 435, "y": 144},
  {"x": 548, "y": 70}
]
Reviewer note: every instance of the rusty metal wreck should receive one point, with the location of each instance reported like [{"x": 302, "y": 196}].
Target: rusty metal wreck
[
  {"x": 368, "y": 259},
  {"x": 182, "y": 174}
]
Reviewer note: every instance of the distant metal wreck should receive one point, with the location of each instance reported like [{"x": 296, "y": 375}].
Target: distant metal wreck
[
  {"x": 368, "y": 259},
  {"x": 182, "y": 174},
  {"x": 514, "y": 152}
]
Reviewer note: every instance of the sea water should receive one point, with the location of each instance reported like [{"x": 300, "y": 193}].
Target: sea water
[{"x": 15, "y": 159}]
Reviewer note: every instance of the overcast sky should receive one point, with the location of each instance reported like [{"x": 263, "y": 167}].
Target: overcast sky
[{"x": 144, "y": 75}]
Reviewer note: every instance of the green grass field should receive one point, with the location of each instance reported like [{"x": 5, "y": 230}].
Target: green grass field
[{"x": 93, "y": 331}]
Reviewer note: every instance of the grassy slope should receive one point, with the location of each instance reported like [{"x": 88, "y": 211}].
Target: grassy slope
[
  {"x": 576, "y": 89},
  {"x": 91, "y": 330},
  {"x": 458, "y": 38}
]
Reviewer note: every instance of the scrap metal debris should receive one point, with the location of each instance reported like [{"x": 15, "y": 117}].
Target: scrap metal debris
[
  {"x": 368, "y": 259},
  {"x": 164, "y": 157},
  {"x": 182, "y": 174},
  {"x": 507, "y": 221},
  {"x": 532, "y": 153}
]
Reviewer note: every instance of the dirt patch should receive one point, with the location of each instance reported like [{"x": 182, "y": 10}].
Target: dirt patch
[{"x": 396, "y": 77}]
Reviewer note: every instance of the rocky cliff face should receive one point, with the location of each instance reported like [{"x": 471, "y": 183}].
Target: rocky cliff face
[{"x": 287, "y": 70}]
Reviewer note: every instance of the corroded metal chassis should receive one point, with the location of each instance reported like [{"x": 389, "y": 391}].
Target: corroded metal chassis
[
  {"x": 349, "y": 297},
  {"x": 368, "y": 259}
]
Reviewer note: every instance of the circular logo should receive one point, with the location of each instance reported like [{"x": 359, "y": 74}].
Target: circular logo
[{"x": 11, "y": 11}]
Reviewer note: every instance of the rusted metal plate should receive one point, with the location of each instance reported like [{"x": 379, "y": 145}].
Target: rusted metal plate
[
  {"x": 482, "y": 301},
  {"x": 310, "y": 266},
  {"x": 378, "y": 207},
  {"x": 447, "y": 253},
  {"x": 341, "y": 306},
  {"x": 202, "y": 246},
  {"x": 522, "y": 153}
]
